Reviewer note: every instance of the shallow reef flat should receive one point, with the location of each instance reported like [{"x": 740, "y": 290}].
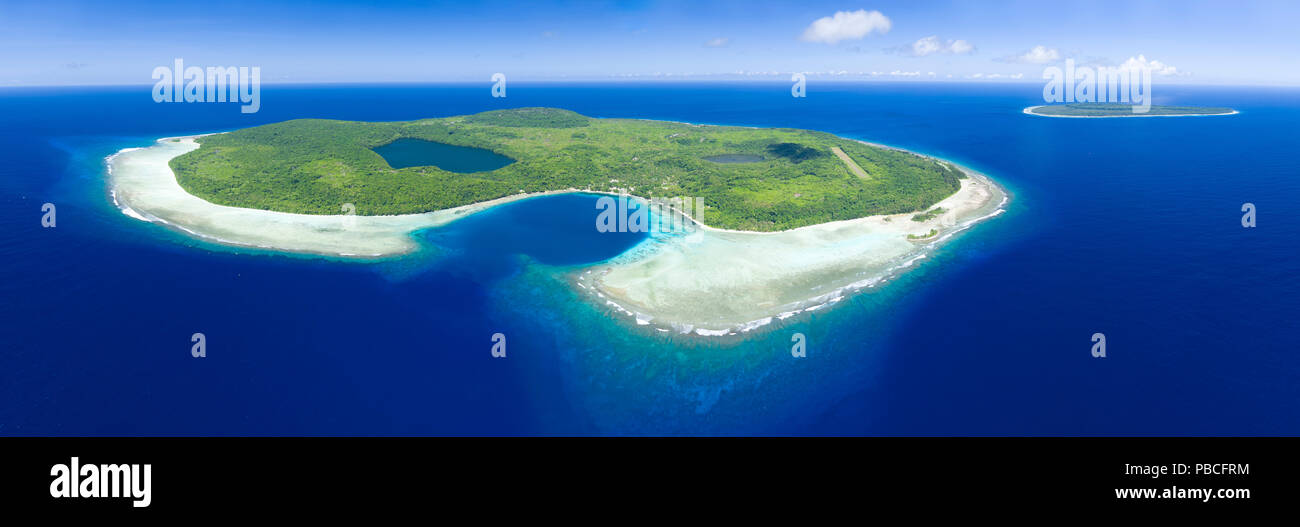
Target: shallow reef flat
[{"x": 713, "y": 282}]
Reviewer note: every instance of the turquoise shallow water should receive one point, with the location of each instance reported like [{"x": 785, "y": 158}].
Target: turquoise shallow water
[{"x": 1129, "y": 227}]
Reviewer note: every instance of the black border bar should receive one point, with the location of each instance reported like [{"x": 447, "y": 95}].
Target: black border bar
[{"x": 234, "y": 474}]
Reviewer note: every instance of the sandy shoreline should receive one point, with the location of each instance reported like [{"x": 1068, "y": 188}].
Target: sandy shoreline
[
  {"x": 715, "y": 282},
  {"x": 708, "y": 282},
  {"x": 144, "y": 187},
  {"x": 1030, "y": 111}
]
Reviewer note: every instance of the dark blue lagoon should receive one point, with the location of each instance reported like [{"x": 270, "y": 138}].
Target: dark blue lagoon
[
  {"x": 1129, "y": 227},
  {"x": 408, "y": 152},
  {"x": 558, "y": 230}
]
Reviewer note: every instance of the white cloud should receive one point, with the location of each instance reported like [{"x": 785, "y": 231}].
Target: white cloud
[
  {"x": 846, "y": 25},
  {"x": 1038, "y": 55},
  {"x": 897, "y": 73},
  {"x": 1157, "y": 67},
  {"x": 931, "y": 45},
  {"x": 926, "y": 46},
  {"x": 718, "y": 42}
]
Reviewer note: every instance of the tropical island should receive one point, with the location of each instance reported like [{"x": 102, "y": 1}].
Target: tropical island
[
  {"x": 794, "y": 220},
  {"x": 751, "y": 179},
  {"x": 1109, "y": 109}
]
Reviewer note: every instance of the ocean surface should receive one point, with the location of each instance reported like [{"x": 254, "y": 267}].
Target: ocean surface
[{"x": 1127, "y": 227}]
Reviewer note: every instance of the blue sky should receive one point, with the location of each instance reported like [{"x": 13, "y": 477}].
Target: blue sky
[{"x": 55, "y": 42}]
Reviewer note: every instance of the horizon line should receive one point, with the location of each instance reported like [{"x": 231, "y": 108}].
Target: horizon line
[{"x": 674, "y": 80}]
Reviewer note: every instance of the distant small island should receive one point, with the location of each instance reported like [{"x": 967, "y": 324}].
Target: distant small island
[{"x": 1106, "y": 109}]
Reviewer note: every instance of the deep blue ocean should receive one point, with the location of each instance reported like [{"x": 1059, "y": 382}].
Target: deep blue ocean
[{"x": 1129, "y": 227}]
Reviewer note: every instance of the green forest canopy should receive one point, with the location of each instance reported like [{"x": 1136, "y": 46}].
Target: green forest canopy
[{"x": 314, "y": 166}]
